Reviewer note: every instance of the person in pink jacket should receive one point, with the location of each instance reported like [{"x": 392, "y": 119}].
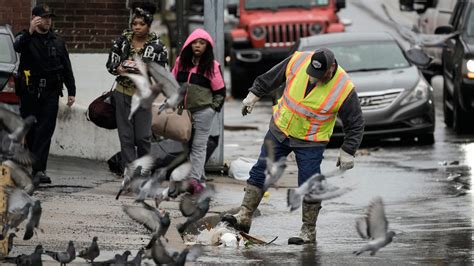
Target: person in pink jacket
[{"x": 205, "y": 96}]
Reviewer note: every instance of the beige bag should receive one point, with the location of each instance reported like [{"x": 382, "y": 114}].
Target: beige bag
[{"x": 172, "y": 124}]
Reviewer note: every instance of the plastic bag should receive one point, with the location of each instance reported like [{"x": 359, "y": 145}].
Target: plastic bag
[{"x": 240, "y": 168}]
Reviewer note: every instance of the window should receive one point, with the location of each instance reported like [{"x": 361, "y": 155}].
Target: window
[
  {"x": 367, "y": 56},
  {"x": 275, "y": 4},
  {"x": 7, "y": 54}
]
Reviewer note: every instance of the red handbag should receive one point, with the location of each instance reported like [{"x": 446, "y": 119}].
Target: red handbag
[{"x": 101, "y": 111}]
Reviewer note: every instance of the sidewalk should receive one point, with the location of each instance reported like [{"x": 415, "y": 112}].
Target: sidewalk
[{"x": 80, "y": 203}]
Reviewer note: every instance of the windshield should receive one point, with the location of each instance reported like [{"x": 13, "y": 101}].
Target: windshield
[
  {"x": 7, "y": 54},
  {"x": 365, "y": 56},
  {"x": 470, "y": 24},
  {"x": 275, "y": 4}
]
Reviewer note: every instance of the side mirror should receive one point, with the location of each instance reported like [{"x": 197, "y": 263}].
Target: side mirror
[
  {"x": 418, "y": 57},
  {"x": 232, "y": 9},
  {"x": 340, "y": 4},
  {"x": 444, "y": 29}
]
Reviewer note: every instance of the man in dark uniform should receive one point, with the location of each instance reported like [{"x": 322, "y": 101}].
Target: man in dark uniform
[{"x": 44, "y": 67}]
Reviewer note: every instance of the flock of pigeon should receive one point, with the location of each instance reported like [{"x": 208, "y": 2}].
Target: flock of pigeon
[{"x": 143, "y": 179}]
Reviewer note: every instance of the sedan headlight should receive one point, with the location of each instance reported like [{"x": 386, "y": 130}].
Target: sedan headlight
[
  {"x": 258, "y": 33},
  {"x": 420, "y": 93}
]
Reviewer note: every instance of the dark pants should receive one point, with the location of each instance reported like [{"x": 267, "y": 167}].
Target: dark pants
[
  {"x": 135, "y": 134},
  {"x": 308, "y": 160},
  {"x": 44, "y": 107}
]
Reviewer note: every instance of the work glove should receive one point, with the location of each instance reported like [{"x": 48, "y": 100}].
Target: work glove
[
  {"x": 345, "y": 161},
  {"x": 248, "y": 103}
]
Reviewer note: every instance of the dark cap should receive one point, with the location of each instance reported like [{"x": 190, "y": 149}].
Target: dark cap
[
  {"x": 42, "y": 11},
  {"x": 321, "y": 61}
]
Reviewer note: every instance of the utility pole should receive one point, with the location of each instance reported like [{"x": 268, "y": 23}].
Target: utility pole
[{"x": 214, "y": 24}]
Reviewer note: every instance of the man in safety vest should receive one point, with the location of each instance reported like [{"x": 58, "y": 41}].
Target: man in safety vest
[{"x": 317, "y": 89}]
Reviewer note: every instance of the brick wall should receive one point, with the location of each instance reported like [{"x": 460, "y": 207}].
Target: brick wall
[
  {"x": 89, "y": 26},
  {"x": 16, "y": 13}
]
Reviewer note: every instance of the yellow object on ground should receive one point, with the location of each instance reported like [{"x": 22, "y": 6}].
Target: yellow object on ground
[{"x": 266, "y": 194}]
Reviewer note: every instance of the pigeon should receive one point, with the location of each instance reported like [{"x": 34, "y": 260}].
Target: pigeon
[
  {"x": 162, "y": 256},
  {"x": 63, "y": 257},
  {"x": 22, "y": 206},
  {"x": 318, "y": 187},
  {"x": 200, "y": 210},
  {"x": 117, "y": 260},
  {"x": 324, "y": 191},
  {"x": 274, "y": 169},
  {"x": 171, "y": 89},
  {"x": 141, "y": 167},
  {"x": 154, "y": 220},
  {"x": 374, "y": 227},
  {"x": 294, "y": 195},
  {"x": 137, "y": 261},
  {"x": 10, "y": 241},
  {"x": 32, "y": 259},
  {"x": 151, "y": 186},
  {"x": 91, "y": 252},
  {"x": 20, "y": 176},
  {"x": 14, "y": 130}
]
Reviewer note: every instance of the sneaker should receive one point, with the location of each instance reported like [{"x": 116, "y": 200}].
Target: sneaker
[
  {"x": 43, "y": 178},
  {"x": 195, "y": 187}
]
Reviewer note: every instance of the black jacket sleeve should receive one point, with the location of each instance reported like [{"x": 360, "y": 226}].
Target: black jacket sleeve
[
  {"x": 350, "y": 114},
  {"x": 68, "y": 75},
  {"x": 115, "y": 56},
  {"x": 270, "y": 80},
  {"x": 22, "y": 40}
]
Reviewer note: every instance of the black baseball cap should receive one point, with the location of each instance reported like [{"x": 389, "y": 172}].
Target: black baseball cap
[
  {"x": 42, "y": 11},
  {"x": 321, "y": 61}
]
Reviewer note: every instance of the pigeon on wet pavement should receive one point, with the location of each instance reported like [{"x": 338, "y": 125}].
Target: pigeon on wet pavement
[
  {"x": 33, "y": 220},
  {"x": 63, "y": 257},
  {"x": 137, "y": 261},
  {"x": 117, "y": 260},
  {"x": 274, "y": 169},
  {"x": 374, "y": 227},
  {"x": 161, "y": 255},
  {"x": 91, "y": 252}
]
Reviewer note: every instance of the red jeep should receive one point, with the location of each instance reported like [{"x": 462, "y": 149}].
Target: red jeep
[{"x": 267, "y": 31}]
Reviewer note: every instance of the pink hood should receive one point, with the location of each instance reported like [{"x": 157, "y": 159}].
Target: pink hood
[{"x": 198, "y": 34}]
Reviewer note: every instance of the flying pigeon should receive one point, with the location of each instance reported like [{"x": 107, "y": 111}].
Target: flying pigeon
[
  {"x": 20, "y": 176},
  {"x": 200, "y": 209},
  {"x": 153, "y": 219},
  {"x": 141, "y": 167},
  {"x": 374, "y": 227},
  {"x": 274, "y": 169},
  {"x": 22, "y": 206}
]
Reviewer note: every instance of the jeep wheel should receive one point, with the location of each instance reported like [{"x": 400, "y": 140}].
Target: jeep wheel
[{"x": 447, "y": 113}]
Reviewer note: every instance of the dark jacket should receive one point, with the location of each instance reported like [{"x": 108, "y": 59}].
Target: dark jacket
[
  {"x": 45, "y": 56},
  {"x": 350, "y": 112},
  {"x": 153, "y": 51},
  {"x": 205, "y": 90}
]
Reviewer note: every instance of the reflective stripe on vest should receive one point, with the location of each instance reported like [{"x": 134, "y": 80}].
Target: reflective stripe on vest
[{"x": 311, "y": 117}]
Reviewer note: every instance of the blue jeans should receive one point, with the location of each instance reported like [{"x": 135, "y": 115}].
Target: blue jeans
[{"x": 308, "y": 160}]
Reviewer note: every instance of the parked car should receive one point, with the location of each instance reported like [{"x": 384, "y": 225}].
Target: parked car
[
  {"x": 458, "y": 68},
  {"x": 9, "y": 61},
  {"x": 396, "y": 99}
]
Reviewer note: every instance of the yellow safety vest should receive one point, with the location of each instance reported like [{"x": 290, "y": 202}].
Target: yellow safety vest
[{"x": 313, "y": 117}]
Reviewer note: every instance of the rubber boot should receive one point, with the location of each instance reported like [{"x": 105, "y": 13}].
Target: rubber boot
[
  {"x": 308, "y": 229},
  {"x": 243, "y": 219}
]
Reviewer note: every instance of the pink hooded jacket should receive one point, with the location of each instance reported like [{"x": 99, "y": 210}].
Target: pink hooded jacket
[{"x": 217, "y": 82}]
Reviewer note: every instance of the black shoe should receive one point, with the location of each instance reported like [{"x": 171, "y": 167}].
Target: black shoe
[
  {"x": 43, "y": 178},
  {"x": 295, "y": 241}
]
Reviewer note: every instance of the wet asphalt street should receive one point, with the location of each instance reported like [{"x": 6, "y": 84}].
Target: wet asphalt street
[{"x": 427, "y": 192}]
